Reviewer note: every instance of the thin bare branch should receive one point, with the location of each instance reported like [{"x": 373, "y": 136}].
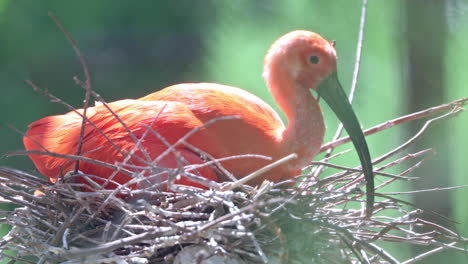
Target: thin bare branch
[
  {"x": 259, "y": 172},
  {"x": 87, "y": 81},
  {"x": 71, "y": 108},
  {"x": 71, "y": 157},
  {"x": 401, "y": 120}
]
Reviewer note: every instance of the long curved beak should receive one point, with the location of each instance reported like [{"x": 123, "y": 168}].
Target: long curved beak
[{"x": 331, "y": 91}]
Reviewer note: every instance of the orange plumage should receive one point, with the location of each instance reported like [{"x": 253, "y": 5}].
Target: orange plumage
[{"x": 296, "y": 63}]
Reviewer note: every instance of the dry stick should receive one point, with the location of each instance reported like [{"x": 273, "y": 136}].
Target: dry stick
[
  {"x": 386, "y": 166},
  {"x": 397, "y": 225},
  {"x": 217, "y": 161},
  {"x": 127, "y": 158},
  {"x": 226, "y": 217},
  {"x": 357, "y": 64},
  {"x": 427, "y": 190},
  {"x": 20, "y": 194},
  {"x": 407, "y": 171},
  {"x": 349, "y": 169},
  {"x": 116, "y": 116},
  {"x": 87, "y": 81},
  {"x": 171, "y": 149},
  {"x": 357, "y": 254},
  {"x": 72, "y": 157},
  {"x": 409, "y": 142},
  {"x": 64, "y": 226},
  {"x": 22, "y": 177},
  {"x": 24, "y": 135},
  {"x": 179, "y": 158},
  {"x": 106, "y": 105},
  {"x": 369, "y": 246},
  {"x": 408, "y": 157},
  {"x": 338, "y": 176},
  {"x": 377, "y": 171},
  {"x": 393, "y": 225},
  {"x": 426, "y": 254},
  {"x": 181, "y": 141},
  {"x": 71, "y": 108},
  {"x": 18, "y": 201},
  {"x": 110, "y": 197},
  {"x": 417, "y": 135},
  {"x": 391, "y": 164},
  {"x": 219, "y": 166},
  {"x": 400, "y": 120},
  {"x": 232, "y": 186},
  {"x": 83, "y": 252},
  {"x": 403, "y": 202},
  {"x": 131, "y": 134},
  {"x": 454, "y": 107},
  {"x": 195, "y": 130},
  {"x": 131, "y": 153},
  {"x": 15, "y": 259},
  {"x": 442, "y": 229}
]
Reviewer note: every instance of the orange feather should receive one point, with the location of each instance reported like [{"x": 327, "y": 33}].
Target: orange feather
[{"x": 296, "y": 63}]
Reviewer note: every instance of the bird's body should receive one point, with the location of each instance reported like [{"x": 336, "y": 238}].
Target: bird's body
[
  {"x": 296, "y": 62},
  {"x": 251, "y": 127},
  {"x": 254, "y": 129}
]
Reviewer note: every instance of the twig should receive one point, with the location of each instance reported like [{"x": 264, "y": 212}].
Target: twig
[
  {"x": 71, "y": 108},
  {"x": 87, "y": 81},
  {"x": 72, "y": 157},
  {"x": 416, "y": 136},
  {"x": 348, "y": 169},
  {"x": 232, "y": 186},
  {"x": 116, "y": 116},
  {"x": 425, "y": 254},
  {"x": 400, "y": 120},
  {"x": 75, "y": 48},
  {"x": 357, "y": 65},
  {"x": 405, "y": 145},
  {"x": 427, "y": 190}
]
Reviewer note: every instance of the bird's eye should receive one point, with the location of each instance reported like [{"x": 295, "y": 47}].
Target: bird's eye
[{"x": 314, "y": 59}]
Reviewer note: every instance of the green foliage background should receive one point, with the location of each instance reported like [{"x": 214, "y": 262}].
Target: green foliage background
[{"x": 137, "y": 47}]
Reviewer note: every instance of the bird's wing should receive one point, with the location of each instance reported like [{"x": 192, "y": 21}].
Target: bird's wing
[
  {"x": 209, "y": 101},
  {"x": 60, "y": 134}
]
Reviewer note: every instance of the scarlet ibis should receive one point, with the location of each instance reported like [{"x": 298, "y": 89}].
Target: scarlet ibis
[{"x": 296, "y": 63}]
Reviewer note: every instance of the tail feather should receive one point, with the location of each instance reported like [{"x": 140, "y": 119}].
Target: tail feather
[{"x": 58, "y": 134}]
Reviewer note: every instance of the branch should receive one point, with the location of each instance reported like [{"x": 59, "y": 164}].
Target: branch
[
  {"x": 400, "y": 120},
  {"x": 87, "y": 81}
]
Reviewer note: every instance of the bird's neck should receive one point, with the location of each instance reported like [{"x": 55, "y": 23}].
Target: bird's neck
[{"x": 304, "y": 132}]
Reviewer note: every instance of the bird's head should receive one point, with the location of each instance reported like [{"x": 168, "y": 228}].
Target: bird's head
[
  {"x": 306, "y": 56},
  {"x": 305, "y": 60}
]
